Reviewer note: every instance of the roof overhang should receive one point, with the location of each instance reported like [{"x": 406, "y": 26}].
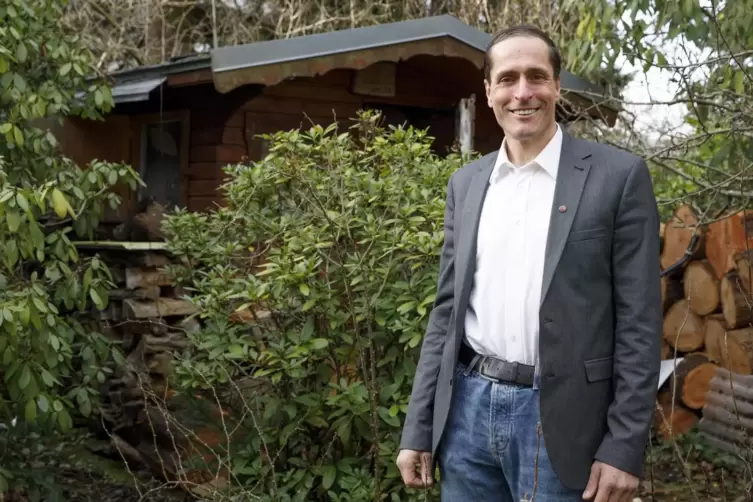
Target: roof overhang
[
  {"x": 134, "y": 91},
  {"x": 271, "y": 62}
]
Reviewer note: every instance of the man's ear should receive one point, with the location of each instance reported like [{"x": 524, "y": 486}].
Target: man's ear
[{"x": 487, "y": 89}]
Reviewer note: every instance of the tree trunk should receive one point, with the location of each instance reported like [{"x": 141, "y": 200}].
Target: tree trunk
[
  {"x": 683, "y": 328},
  {"x": 678, "y": 234},
  {"x": 737, "y": 306},
  {"x": 701, "y": 287}
]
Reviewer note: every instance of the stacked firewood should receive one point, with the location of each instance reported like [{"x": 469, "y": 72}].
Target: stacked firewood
[
  {"x": 706, "y": 293},
  {"x": 148, "y": 425}
]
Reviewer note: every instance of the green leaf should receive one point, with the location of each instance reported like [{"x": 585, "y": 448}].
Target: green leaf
[
  {"x": 21, "y": 52},
  {"x": 65, "y": 69},
  {"x": 739, "y": 82},
  {"x": 43, "y": 403},
  {"x": 96, "y": 298},
  {"x": 22, "y": 202},
  {"x": 304, "y": 289},
  {"x": 18, "y": 136},
  {"x": 60, "y": 203},
  {"x": 318, "y": 343},
  {"x": 25, "y": 378},
  {"x": 13, "y": 219},
  {"x": 328, "y": 476},
  {"x": 5, "y": 128},
  {"x": 30, "y": 412}
]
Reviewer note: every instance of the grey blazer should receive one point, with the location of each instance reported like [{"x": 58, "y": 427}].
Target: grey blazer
[{"x": 600, "y": 315}]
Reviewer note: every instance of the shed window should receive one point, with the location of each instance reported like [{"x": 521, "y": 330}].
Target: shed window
[
  {"x": 163, "y": 155},
  {"x": 160, "y": 162}
]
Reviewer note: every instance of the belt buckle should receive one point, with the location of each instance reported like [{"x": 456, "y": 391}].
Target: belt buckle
[{"x": 508, "y": 370}]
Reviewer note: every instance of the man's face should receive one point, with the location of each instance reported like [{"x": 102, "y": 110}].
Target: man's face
[{"x": 522, "y": 89}]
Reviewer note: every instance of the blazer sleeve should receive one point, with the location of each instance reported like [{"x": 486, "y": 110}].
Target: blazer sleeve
[
  {"x": 638, "y": 323},
  {"x": 417, "y": 428}
]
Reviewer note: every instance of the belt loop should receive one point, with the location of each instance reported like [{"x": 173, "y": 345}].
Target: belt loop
[{"x": 473, "y": 362}]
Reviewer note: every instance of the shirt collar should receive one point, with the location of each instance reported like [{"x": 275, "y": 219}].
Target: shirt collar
[{"x": 548, "y": 159}]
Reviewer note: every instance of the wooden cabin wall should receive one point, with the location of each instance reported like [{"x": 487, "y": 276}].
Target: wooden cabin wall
[{"x": 426, "y": 94}]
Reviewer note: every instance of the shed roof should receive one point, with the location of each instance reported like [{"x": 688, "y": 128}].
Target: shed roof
[
  {"x": 232, "y": 66},
  {"x": 225, "y": 59}
]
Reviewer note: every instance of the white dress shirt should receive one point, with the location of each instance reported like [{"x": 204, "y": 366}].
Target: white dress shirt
[{"x": 503, "y": 315}]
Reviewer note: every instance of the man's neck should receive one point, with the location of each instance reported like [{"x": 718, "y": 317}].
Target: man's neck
[{"x": 523, "y": 152}]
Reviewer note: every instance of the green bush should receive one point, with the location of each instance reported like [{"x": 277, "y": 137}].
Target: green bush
[
  {"x": 51, "y": 360},
  {"x": 337, "y": 235}
]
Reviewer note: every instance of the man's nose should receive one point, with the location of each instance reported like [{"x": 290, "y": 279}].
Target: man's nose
[{"x": 523, "y": 90}]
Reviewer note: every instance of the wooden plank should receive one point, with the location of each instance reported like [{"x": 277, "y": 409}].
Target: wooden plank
[
  {"x": 204, "y": 171},
  {"x": 190, "y": 78},
  {"x": 727, "y": 421},
  {"x": 145, "y": 293},
  {"x": 217, "y": 154},
  {"x": 202, "y": 204},
  {"x": 164, "y": 307},
  {"x": 217, "y": 135},
  {"x": 137, "y": 277},
  {"x": 203, "y": 188}
]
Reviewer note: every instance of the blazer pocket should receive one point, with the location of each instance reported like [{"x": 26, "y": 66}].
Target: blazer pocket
[
  {"x": 599, "y": 369},
  {"x": 589, "y": 234}
]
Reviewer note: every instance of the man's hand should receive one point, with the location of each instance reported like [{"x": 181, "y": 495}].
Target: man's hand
[
  {"x": 407, "y": 460},
  {"x": 609, "y": 484}
]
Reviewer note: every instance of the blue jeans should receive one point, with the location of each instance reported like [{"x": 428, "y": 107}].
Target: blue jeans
[{"x": 492, "y": 448}]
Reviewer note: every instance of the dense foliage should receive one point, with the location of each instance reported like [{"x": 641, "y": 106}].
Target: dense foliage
[
  {"x": 337, "y": 236},
  {"x": 50, "y": 361}
]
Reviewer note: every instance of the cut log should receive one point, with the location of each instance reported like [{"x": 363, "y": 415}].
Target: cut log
[
  {"x": 677, "y": 379},
  {"x": 164, "y": 307},
  {"x": 737, "y": 306},
  {"x": 737, "y": 351},
  {"x": 726, "y": 238},
  {"x": 678, "y": 235},
  {"x": 743, "y": 264},
  {"x": 662, "y": 226},
  {"x": 667, "y": 352},
  {"x": 672, "y": 420},
  {"x": 714, "y": 331},
  {"x": 701, "y": 287},
  {"x": 137, "y": 277},
  {"x": 683, "y": 329},
  {"x": 671, "y": 290},
  {"x": 696, "y": 385}
]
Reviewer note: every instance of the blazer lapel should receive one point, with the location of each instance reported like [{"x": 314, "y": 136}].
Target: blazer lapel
[
  {"x": 571, "y": 178},
  {"x": 466, "y": 244}
]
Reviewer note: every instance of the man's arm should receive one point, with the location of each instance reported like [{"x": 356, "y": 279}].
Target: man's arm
[
  {"x": 417, "y": 430},
  {"x": 638, "y": 323}
]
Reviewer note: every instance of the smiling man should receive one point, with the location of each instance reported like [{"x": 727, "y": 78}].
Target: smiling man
[{"x": 539, "y": 366}]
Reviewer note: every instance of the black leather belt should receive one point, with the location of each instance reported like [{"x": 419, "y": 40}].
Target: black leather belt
[{"x": 497, "y": 369}]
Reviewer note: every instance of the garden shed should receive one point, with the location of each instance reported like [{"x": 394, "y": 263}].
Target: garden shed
[{"x": 179, "y": 122}]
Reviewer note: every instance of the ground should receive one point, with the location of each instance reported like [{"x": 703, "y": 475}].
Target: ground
[{"x": 690, "y": 470}]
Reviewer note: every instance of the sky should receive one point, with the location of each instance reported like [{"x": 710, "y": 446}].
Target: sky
[{"x": 656, "y": 86}]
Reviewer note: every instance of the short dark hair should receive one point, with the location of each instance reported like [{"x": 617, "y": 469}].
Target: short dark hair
[{"x": 524, "y": 30}]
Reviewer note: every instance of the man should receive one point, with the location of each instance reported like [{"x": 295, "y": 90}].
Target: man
[{"x": 539, "y": 367}]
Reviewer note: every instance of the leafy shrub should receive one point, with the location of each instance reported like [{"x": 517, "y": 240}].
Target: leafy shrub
[
  {"x": 333, "y": 241},
  {"x": 51, "y": 362}
]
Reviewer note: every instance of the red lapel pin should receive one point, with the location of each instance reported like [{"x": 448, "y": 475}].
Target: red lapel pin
[{"x": 563, "y": 209}]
